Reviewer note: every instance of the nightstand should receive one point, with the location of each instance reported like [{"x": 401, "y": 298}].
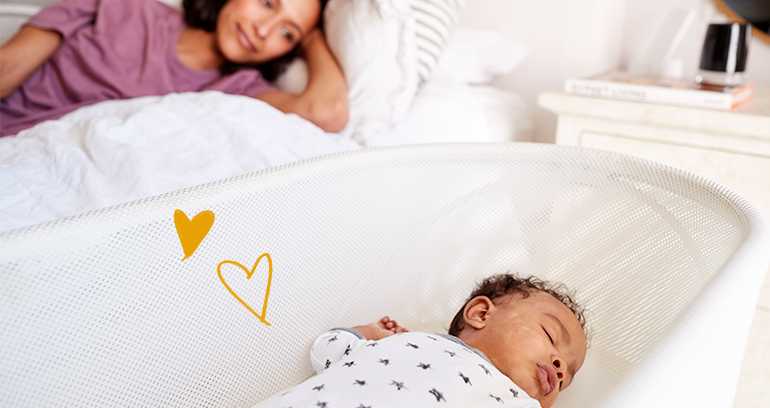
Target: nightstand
[{"x": 731, "y": 148}]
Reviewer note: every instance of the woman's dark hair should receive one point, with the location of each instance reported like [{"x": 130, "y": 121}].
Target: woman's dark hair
[
  {"x": 498, "y": 286},
  {"x": 203, "y": 14}
]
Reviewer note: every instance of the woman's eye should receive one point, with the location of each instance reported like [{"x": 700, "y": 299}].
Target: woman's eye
[
  {"x": 267, "y": 3},
  {"x": 288, "y": 35}
]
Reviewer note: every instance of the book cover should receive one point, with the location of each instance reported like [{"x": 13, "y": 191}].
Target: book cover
[{"x": 622, "y": 85}]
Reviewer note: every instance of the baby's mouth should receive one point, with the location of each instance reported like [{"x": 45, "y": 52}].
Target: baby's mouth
[{"x": 547, "y": 377}]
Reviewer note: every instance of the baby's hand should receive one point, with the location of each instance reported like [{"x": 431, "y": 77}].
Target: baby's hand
[
  {"x": 381, "y": 329},
  {"x": 390, "y": 326}
]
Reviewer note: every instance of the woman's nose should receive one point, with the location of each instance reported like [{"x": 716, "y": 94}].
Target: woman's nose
[{"x": 264, "y": 27}]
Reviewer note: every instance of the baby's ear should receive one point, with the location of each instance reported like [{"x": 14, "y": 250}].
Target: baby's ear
[{"x": 475, "y": 313}]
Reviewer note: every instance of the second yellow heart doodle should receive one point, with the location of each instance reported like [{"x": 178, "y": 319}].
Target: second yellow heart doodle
[{"x": 248, "y": 276}]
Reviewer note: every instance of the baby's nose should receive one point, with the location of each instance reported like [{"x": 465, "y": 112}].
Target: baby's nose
[{"x": 558, "y": 364}]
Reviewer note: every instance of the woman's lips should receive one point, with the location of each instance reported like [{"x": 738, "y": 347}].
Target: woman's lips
[
  {"x": 244, "y": 39},
  {"x": 547, "y": 376}
]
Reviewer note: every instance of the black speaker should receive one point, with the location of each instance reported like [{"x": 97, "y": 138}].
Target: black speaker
[{"x": 725, "y": 49}]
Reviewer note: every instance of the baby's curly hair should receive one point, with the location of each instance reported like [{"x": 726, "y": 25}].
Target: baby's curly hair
[{"x": 497, "y": 286}]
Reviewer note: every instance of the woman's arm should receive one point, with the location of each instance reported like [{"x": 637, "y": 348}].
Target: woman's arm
[
  {"x": 325, "y": 100},
  {"x": 23, "y": 54}
]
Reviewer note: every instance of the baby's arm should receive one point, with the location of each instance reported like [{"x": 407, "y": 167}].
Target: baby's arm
[
  {"x": 335, "y": 344},
  {"x": 23, "y": 54},
  {"x": 325, "y": 100},
  {"x": 381, "y": 329}
]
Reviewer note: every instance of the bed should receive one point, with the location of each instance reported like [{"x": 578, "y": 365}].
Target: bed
[{"x": 118, "y": 151}]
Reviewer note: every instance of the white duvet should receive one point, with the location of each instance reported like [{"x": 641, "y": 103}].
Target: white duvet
[{"x": 119, "y": 151}]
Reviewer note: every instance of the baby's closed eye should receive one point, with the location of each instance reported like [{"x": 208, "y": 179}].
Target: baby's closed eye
[{"x": 549, "y": 335}]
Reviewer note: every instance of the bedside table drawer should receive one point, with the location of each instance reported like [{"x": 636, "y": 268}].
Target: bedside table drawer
[{"x": 747, "y": 175}]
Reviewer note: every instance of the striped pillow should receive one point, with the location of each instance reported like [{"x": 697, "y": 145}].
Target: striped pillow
[{"x": 434, "y": 22}]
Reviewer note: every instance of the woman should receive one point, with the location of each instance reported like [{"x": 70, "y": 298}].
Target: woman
[{"x": 79, "y": 52}]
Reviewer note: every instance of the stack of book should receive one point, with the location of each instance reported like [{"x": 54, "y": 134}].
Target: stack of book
[{"x": 622, "y": 85}]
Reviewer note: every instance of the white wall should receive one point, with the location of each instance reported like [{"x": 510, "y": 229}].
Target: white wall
[
  {"x": 572, "y": 38},
  {"x": 585, "y": 37},
  {"x": 644, "y": 17}
]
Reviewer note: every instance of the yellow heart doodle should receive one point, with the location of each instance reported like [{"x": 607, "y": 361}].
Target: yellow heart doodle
[
  {"x": 248, "y": 276},
  {"x": 191, "y": 233}
]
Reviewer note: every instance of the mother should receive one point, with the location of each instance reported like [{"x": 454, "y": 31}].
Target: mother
[{"x": 79, "y": 52}]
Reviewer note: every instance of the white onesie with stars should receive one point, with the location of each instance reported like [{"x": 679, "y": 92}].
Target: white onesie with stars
[{"x": 404, "y": 370}]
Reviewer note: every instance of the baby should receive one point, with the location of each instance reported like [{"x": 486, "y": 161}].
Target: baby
[{"x": 515, "y": 343}]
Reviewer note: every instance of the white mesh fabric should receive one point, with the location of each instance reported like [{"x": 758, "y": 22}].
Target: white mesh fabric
[{"x": 98, "y": 309}]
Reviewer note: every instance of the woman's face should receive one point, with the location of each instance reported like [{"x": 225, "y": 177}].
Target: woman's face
[{"x": 257, "y": 31}]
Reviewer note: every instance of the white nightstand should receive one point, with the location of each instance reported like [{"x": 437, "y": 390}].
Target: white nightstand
[{"x": 731, "y": 148}]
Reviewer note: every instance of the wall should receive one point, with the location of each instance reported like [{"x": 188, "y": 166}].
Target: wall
[
  {"x": 571, "y": 38},
  {"x": 644, "y": 17},
  {"x": 585, "y": 37}
]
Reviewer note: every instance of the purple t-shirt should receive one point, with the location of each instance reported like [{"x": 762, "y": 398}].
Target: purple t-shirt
[{"x": 112, "y": 49}]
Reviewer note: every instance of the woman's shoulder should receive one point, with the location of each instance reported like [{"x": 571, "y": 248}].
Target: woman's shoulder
[
  {"x": 140, "y": 14},
  {"x": 122, "y": 10},
  {"x": 106, "y": 16}
]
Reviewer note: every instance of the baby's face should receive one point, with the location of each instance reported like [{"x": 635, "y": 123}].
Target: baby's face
[{"x": 537, "y": 342}]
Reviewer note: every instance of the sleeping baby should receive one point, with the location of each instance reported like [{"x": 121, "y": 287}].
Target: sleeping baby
[{"x": 515, "y": 343}]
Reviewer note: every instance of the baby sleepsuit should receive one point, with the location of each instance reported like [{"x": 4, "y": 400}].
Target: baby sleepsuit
[{"x": 404, "y": 370}]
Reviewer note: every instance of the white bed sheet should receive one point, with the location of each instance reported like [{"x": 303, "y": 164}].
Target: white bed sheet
[
  {"x": 118, "y": 151},
  {"x": 447, "y": 111}
]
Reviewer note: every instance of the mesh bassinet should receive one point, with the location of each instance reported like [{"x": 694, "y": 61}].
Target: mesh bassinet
[{"x": 99, "y": 310}]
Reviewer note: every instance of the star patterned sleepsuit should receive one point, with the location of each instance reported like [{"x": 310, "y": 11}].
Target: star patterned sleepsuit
[{"x": 404, "y": 370}]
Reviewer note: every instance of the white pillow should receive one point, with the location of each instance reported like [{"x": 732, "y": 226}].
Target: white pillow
[
  {"x": 471, "y": 55},
  {"x": 442, "y": 112},
  {"x": 477, "y": 56},
  {"x": 386, "y": 49},
  {"x": 294, "y": 79},
  {"x": 448, "y": 111},
  {"x": 435, "y": 20},
  {"x": 373, "y": 41}
]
